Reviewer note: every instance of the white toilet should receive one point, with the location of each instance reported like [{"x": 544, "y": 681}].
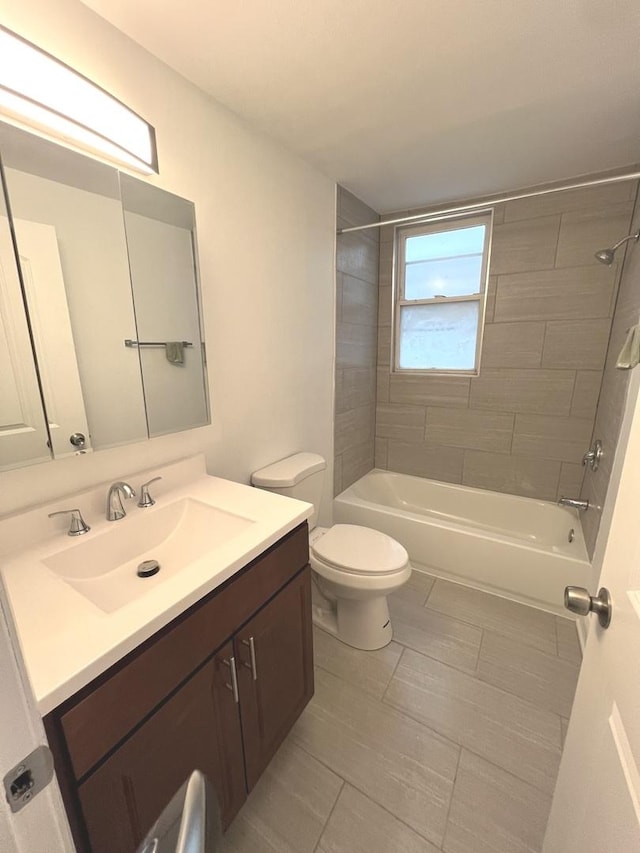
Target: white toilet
[{"x": 355, "y": 568}]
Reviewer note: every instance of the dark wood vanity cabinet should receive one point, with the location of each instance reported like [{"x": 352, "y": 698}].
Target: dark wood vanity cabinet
[
  {"x": 277, "y": 684},
  {"x": 197, "y": 727},
  {"x": 126, "y": 742}
]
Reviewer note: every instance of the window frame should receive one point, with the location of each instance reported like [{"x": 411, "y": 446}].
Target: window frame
[{"x": 453, "y": 222}]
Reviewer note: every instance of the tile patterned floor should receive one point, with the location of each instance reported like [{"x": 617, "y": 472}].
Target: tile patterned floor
[{"x": 449, "y": 739}]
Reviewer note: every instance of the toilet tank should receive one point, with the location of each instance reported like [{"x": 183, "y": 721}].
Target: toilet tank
[{"x": 299, "y": 476}]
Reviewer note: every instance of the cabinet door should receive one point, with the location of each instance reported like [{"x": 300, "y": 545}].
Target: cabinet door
[
  {"x": 197, "y": 728},
  {"x": 277, "y": 684}
]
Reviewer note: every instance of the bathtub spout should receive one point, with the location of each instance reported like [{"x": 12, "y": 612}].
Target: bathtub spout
[{"x": 583, "y": 506}]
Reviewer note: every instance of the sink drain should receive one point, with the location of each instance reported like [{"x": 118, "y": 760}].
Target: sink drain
[{"x": 148, "y": 568}]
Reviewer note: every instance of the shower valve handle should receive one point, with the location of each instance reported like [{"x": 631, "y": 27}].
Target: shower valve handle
[{"x": 593, "y": 456}]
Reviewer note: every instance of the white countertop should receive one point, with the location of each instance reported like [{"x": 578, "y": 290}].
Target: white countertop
[{"x": 66, "y": 640}]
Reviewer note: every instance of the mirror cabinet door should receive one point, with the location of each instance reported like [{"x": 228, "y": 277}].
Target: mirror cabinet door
[
  {"x": 72, "y": 250},
  {"x": 160, "y": 230},
  {"x": 108, "y": 272},
  {"x": 24, "y": 439}
]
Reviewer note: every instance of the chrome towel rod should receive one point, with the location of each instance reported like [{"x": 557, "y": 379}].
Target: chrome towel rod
[{"x": 129, "y": 343}]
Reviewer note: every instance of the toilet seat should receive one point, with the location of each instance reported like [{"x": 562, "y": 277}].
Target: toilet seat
[
  {"x": 354, "y": 568},
  {"x": 358, "y": 550}
]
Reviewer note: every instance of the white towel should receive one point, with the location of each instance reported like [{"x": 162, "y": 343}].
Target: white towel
[{"x": 630, "y": 352}]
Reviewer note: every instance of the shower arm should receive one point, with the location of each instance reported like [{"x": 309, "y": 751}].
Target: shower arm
[{"x": 634, "y": 236}]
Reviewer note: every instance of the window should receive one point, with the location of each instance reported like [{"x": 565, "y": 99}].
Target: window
[{"x": 440, "y": 293}]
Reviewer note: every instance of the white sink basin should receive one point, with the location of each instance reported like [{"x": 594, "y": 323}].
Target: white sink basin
[{"x": 103, "y": 568}]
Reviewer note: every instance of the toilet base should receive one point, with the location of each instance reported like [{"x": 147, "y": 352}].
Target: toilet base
[{"x": 362, "y": 624}]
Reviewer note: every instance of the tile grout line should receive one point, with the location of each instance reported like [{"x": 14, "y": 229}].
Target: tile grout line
[
  {"x": 333, "y": 808},
  {"x": 400, "y": 656},
  {"x": 438, "y": 734},
  {"x": 430, "y": 593},
  {"x": 319, "y": 760},
  {"x": 359, "y": 687},
  {"x": 453, "y": 791},
  {"x": 389, "y": 707},
  {"x": 406, "y": 647},
  {"x": 369, "y": 795},
  {"x": 469, "y": 749},
  {"x": 395, "y": 816},
  {"x": 459, "y": 747},
  {"x": 508, "y": 772},
  {"x": 474, "y": 676},
  {"x": 557, "y": 249},
  {"x": 482, "y": 636},
  {"x": 495, "y": 629}
]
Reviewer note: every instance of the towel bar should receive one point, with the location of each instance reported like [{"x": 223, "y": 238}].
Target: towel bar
[{"x": 129, "y": 343}]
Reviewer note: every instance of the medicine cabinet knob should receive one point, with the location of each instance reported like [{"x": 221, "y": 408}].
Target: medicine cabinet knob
[{"x": 77, "y": 439}]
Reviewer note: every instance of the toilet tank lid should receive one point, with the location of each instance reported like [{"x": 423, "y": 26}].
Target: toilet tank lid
[{"x": 289, "y": 471}]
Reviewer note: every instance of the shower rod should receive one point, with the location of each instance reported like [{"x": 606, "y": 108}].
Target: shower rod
[{"x": 488, "y": 201}]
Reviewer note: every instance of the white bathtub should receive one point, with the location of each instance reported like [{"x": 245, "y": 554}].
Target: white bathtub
[{"x": 516, "y": 547}]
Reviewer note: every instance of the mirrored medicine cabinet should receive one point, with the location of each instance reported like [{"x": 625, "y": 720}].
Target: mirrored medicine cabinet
[{"x": 101, "y": 338}]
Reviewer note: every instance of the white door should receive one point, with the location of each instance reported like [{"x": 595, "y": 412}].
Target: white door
[
  {"x": 596, "y": 806},
  {"x": 41, "y": 826},
  {"x": 23, "y": 431},
  {"x": 53, "y": 339}
]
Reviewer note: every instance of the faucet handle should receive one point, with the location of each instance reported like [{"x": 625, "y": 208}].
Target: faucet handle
[
  {"x": 145, "y": 497},
  {"x": 78, "y": 525},
  {"x": 593, "y": 456}
]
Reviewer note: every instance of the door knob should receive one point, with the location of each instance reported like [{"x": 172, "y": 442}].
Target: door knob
[{"x": 578, "y": 600}]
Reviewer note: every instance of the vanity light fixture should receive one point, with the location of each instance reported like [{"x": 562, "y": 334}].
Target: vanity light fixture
[{"x": 40, "y": 92}]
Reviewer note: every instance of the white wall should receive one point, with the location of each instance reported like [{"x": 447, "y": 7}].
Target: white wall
[{"x": 266, "y": 228}]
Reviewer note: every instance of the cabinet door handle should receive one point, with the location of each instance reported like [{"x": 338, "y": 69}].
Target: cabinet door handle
[
  {"x": 233, "y": 687},
  {"x": 252, "y": 651}
]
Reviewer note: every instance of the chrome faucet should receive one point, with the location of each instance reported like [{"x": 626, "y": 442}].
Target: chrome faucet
[
  {"x": 115, "y": 510},
  {"x": 582, "y": 506}
]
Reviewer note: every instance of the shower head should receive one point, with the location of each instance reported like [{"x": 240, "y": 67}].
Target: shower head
[{"x": 606, "y": 256}]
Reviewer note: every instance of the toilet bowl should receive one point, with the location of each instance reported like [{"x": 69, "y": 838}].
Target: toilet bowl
[{"x": 354, "y": 568}]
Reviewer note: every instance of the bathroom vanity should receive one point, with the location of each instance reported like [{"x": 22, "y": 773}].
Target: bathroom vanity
[
  {"x": 207, "y": 669},
  {"x": 216, "y": 690}
]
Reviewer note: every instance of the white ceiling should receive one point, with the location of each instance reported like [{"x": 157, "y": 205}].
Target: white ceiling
[{"x": 409, "y": 102}]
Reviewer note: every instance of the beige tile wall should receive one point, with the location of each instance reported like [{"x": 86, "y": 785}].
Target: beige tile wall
[
  {"x": 357, "y": 334},
  {"x": 522, "y": 425},
  {"x": 614, "y": 389}
]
